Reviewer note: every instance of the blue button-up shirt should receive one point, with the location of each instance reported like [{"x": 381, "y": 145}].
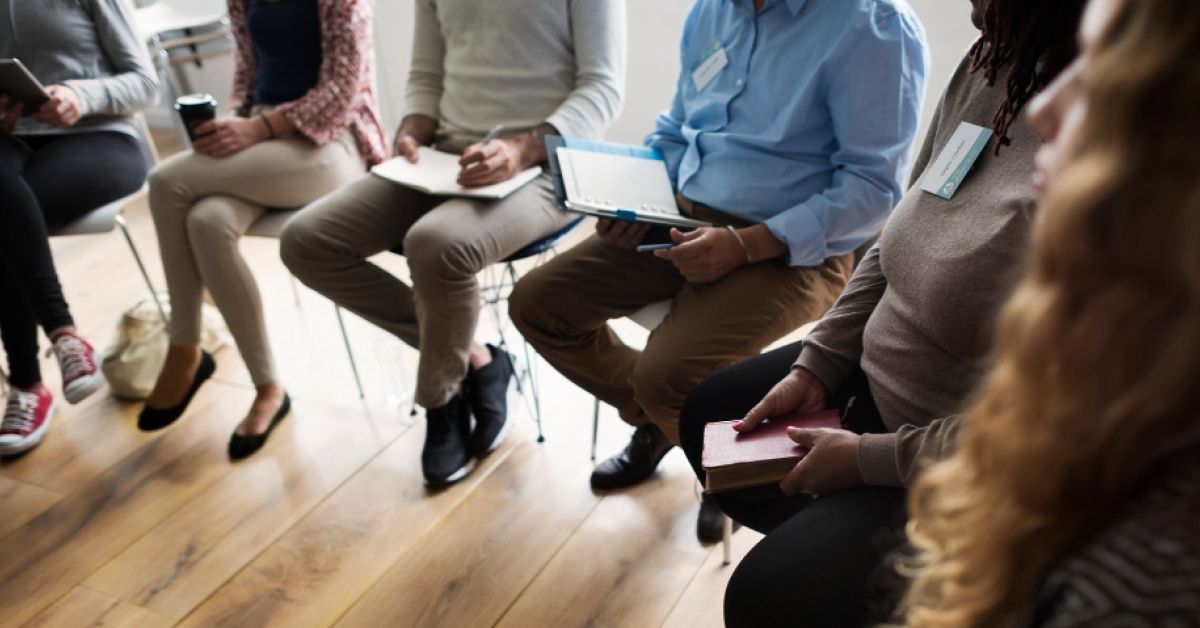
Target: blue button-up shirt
[{"x": 807, "y": 128}]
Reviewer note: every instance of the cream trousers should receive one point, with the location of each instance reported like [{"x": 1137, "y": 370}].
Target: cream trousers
[{"x": 202, "y": 205}]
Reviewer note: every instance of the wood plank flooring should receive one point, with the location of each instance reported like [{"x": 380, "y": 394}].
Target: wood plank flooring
[{"x": 331, "y": 524}]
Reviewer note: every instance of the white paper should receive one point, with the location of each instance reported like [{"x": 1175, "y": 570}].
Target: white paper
[
  {"x": 617, "y": 181},
  {"x": 437, "y": 173}
]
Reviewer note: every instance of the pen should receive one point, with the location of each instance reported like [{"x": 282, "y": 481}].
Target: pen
[
  {"x": 646, "y": 248},
  {"x": 493, "y": 134}
]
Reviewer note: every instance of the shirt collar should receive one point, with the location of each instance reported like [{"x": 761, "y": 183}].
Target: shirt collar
[{"x": 793, "y": 5}]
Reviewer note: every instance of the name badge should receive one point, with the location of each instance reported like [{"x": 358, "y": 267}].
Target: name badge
[
  {"x": 710, "y": 66},
  {"x": 956, "y": 160}
]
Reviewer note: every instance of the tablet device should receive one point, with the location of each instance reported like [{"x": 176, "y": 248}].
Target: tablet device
[{"x": 20, "y": 85}]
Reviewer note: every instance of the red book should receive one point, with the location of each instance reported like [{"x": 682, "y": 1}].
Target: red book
[{"x": 736, "y": 460}]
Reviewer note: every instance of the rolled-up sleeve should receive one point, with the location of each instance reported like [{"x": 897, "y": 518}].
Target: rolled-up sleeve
[
  {"x": 875, "y": 112},
  {"x": 598, "y": 32},
  {"x": 133, "y": 85}
]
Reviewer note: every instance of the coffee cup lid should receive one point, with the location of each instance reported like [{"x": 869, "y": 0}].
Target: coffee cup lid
[{"x": 192, "y": 100}]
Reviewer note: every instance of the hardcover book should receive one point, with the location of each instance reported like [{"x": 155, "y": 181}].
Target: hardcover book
[{"x": 734, "y": 460}]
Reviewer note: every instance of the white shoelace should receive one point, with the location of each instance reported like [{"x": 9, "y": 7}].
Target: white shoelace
[
  {"x": 20, "y": 412},
  {"x": 74, "y": 358}
]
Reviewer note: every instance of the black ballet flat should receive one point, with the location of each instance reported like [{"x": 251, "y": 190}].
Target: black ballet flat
[
  {"x": 241, "y": 446},
  {"x": 152, "y": 419}
]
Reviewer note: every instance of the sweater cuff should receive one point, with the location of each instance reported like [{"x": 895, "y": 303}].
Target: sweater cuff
[
  {"x": 427, "y": 105},
  {"x": 814, "y": 361},
  {"x": 877, "y": 460}
]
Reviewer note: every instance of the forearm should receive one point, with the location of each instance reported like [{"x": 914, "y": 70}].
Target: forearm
[
  {"x": 532, "y": 144},
  {"x": 761, "y": 244}
]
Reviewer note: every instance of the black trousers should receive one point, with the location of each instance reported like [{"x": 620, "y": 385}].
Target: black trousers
[
  {"x": 822, "y": 562},
  {"x": 50, "y": 180}
]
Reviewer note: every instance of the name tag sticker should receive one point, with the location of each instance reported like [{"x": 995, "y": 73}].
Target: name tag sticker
[
  {"x": 710, "y": 66},
  {"x": 956, "y": 160}
]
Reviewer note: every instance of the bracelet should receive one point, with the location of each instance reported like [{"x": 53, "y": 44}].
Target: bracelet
[
  {"x": 749, "y": 258},
  {"x": 270, "y": 129}
]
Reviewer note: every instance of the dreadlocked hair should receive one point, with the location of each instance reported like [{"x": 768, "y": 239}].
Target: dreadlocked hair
[{"x": 1036, "y": 39}]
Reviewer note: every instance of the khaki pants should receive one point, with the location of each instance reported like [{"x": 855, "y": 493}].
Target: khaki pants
[
  {"x": 202, "y": 205},
  {"x": 447, "y": 242},
  {"x": 563, "y": 308}
]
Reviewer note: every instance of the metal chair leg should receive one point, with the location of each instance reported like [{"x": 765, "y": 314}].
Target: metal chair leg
[
  {"x": 120, "y": 220},
  {"x": 595, "y": 425},
  {"x": 533, "y": 392},
  {"x": 349, "y": 351},
  {"x": 727, "y": 542}
]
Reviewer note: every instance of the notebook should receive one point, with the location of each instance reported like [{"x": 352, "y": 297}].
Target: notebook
[
  {"x": 734, "y": 460},
  {"x": 618, "y": 181},
  {"x": 437, "y": 173}
]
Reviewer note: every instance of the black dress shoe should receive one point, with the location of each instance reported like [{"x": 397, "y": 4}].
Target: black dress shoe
[
  {"x": 242, "y": 445},
  {"x": 487, "y": 392},
  {"x": 636, "y": 463},
  {"x": 151, "y": 419},
  {"x": 710, "y": 524},
  {"x": 445, "y": 458}
]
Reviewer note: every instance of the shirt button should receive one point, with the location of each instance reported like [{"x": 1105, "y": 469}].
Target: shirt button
[{"x": 739, "y": 82}]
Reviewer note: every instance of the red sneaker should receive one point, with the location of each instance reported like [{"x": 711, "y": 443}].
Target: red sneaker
[
  {"x": 77, "y": 360},
  {"x": 26, "y": 419}
]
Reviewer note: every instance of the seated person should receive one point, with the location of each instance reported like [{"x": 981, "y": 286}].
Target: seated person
[
  {"x": 795, "y": 163},
  {"x": 304, "y": 123},
  {"x": 908, "y": 341},
  {"x": 533, "y": 66},
  {"x": 1073, "y": 498},
  {"x": 78, "y": 151}
]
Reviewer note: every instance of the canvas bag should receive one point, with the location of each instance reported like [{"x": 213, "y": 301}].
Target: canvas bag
[{"x": 135, "y": 356}]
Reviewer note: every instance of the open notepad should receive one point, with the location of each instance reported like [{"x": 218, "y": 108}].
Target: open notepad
[
  {"x": 437, "y": 173},
  {"x": 618, "y": 181}
]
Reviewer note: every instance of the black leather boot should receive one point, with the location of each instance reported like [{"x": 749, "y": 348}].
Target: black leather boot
[{"x": 636, "y": 463}]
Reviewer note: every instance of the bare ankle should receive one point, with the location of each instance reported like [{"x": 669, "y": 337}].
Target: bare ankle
[{"x": 480, "y": 356}]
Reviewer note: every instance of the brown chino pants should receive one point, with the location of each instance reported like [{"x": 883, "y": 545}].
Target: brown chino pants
[{"x": 563, "y": 309}]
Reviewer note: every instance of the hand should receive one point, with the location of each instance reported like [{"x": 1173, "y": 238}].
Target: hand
[
  {"x": 800, "y": 391},
  {"x": 830, "y": 466},
  {"x": 621, "y": 233},
  {"x": 485, "y": 164},
  {"x": 704, "y": 255},
  {"x": 225, "y": 136},
  {"x": 61, "y": 109},
  {"x": 406, "y": 146},
  {"x": 10, "y": 113}
]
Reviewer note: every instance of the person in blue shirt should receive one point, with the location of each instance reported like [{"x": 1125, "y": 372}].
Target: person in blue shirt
[{"x": 789, "y": 132}]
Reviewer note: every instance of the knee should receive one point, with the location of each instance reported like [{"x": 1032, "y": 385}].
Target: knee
[
  {"x": 746, "y": 603},
  {"x": 209, "y": 223},
  {"x": 166, "y": 184},
  {"x": 434, "y": 251},
  {"x": 524, "y": 303},
  {"x": 538, "y": 309},
  {"x": 298, "y": 244}
]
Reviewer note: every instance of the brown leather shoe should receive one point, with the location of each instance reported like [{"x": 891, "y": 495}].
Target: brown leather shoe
[{"x": 636, "y": 463}]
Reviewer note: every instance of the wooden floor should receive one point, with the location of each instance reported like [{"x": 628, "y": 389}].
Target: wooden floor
[{"x": 331, "y": 523}]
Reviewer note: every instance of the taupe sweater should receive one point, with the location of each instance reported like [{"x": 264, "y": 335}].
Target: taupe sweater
[
  {"x": 519, "y": 63},
  {"x": 919, "y": 313}
]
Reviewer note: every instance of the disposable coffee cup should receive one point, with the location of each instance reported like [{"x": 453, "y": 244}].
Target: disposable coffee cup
[{"x": 194, "y": 110}]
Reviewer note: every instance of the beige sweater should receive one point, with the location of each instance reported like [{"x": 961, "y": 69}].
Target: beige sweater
[{"x": 919, "y": 313}]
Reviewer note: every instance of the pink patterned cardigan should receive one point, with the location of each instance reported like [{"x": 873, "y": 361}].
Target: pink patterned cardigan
[{"x": 344, "y": 95}]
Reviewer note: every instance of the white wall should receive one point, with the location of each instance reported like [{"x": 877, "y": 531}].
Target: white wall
[{"x": 654, "y": 30}]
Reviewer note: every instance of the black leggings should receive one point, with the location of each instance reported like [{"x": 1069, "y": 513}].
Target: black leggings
[
  {"x": 822, "y": 561},
  {"x": 50, "y": 180}
]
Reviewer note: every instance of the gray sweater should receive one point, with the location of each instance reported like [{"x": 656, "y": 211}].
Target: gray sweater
[
  {"x": 919, "y": 313},
  {"x": 87, "y": 45},
  {"x": 520, "y": 63}
]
